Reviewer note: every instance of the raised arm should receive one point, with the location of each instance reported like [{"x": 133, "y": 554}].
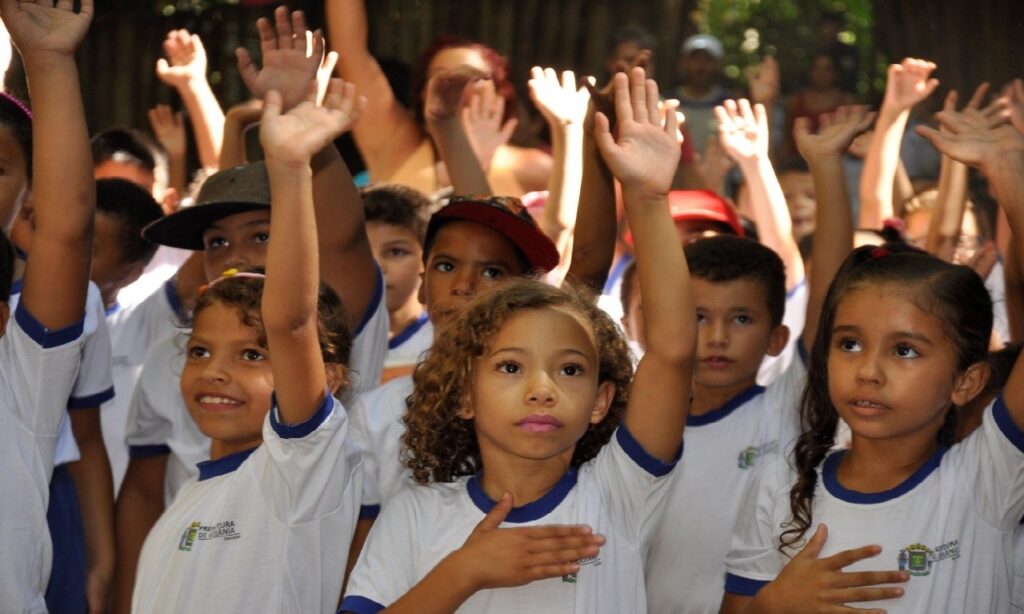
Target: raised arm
[
  {"x": 644, "y": 158},
  {"x": 290, "y": 294},
  {"x": 169, "y": 129},
  {"x": 743, "y": 133},
  {"x": 908, "y": 83},
  {"x": 185, "y": 70},
  {"x": 999, "y": 153},
  {"x": 64, "y": 191},
  {"x": 447, "y": 93},
  {"x": 833, "y": 240},
  {"x": 564, "y": 107},
  {"x": 387, "y": 132},
  {"x": 289, "y": 67}
]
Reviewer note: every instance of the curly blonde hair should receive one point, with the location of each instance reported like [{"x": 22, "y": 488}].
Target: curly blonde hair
[{"x": 439, "y": 445}]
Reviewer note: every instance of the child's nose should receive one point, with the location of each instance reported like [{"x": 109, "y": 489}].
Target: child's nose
[
  {"x": 465, "y": 283},
  {"x": 718, "y": 333},
  {"x": 869, "y": 371},
  {"x": 541, "y": 391}
]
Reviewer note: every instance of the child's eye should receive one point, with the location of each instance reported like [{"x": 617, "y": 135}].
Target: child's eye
[
  {"x": 904, "y": 350},
  {"x": 493, "y": 273},
  {"x": 215, "y": 242},
  {"x": 849, "y": 345},
  {"x": 743, "y": 319},
  {"x": 261, "y": 237},
  {"x": 572, "y": 370},
  {"x": 197, "y": 351},
  {"x": 701, "y": 318},
  {"x": 510, "y": 368},
  {"x": 252, "y": 355},
  {"x": 397, "y": 252},
  {"x": 444, "y": 267}
]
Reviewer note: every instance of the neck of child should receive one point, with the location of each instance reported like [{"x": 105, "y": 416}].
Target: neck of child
[
  {"x": 527, "y": 479},
  {"x": 878, "y": 465},
  {"x": 219, "y": 448},
  {"x": 403, "y": 317},
  {"x": 709, "y": 398}
]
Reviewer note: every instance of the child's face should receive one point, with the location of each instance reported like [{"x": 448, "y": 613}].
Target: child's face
[
  {"x": 465, "y": 259},
  {"x": 110, "y": 272},
  {"x": 13, "y": 178},
  {"x": 137, "y": 174},
  {"x": 227, "y": 380},
  {"x": 967, "y": 243},
  {"x": 400, "y": 256},
  {"x": 734, "y": 332},
  {"x": 798, "y": 188},
  {"x": 536, "y": 390},
  {"x": 892, "y": 371},
  {"x": 236, "y": 242}
]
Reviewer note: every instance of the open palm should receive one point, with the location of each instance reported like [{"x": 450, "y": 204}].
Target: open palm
[
  {"x": 42, "y": 27},
  {"x": 298, "y": 134},
  {"x": 289, "y": 64}
]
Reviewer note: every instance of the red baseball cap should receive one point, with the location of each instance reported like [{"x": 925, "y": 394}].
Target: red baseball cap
[{"x": 701, "y": 206}]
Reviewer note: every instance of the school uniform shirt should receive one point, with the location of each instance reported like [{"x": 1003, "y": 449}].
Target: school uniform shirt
[
  {"x": 263, "y": 530},
  {"x": 377, "y": 429},
  {"x": 158, "y": 419},
  {"x": 1017, "y": 597},
  {"x": 94, "y": 384},
  {"x": 135, "y": 330},
  {"x": 406, "y": 348},
  {"x": 950, "y": 525},
  {"x": 725, "y": 449},
  {"x": 38, "y": 372},
  {"x": 619, "y": 493},
  {"x": 794, "y": 318},
  {"x": 161, "y": 267},
  {"x": 995, "y": 283}
]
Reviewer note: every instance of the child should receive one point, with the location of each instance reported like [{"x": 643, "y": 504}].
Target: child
[
  {"x": 901, "y": 344},
  {"x": 396, "y": 222},
  {"x": 261, "y": 370},
  {"x": 230, "y": 225},
  {"x": 517, "y": 401},
  {"x": 42, "y": 346}
]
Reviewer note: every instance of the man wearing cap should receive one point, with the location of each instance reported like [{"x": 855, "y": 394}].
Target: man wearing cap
[{"x": 700, "y": 62}]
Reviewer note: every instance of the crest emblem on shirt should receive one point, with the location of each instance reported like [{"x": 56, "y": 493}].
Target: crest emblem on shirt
[
  {"x": 197, "y": 531},
  {"x": 918, "y": 559},
  {"x": 572, "y": 577},
  {"x": 748, "y": 456}
]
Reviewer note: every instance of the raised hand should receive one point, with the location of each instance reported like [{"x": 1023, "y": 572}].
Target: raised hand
[
  {"x": 811, "y": 584},
  {"x": 295, "y": 136},
  {"x": 837, "y": 132},
  {"x": 40, "y": 28},
  {"x": 169, "y": 128},
  {"x": 742, "y": 130},
  {"x": 646, "y": 154},
  {"x": 763, "y": 80},
  {"x": 972, "y": 115},
  {"x": 603, "y": 99},
  {"x": 482, "y": 118},
  {"x": 526, "y": 553},
  {"x": 908, "y": 83},
  {"x": 186, "y": 59},
  {"x": 558, "y": 100},
  {"x": 289, "y": 64},
  {"x": 447, "y": 91},
  {"x": 977, "y": 146},
  {"x": 1015, "y": 104},
  {"x": 326, "y": 70}
]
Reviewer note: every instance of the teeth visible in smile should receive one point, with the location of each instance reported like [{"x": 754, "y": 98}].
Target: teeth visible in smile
[
  {"x": 869, "y": 404},
  {"x": 217, "y": 400}
]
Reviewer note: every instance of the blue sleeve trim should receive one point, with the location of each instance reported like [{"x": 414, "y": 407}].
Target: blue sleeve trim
[
  {"x": 738, "y": 585},
  {"x": 43, "y": 336},
  {"x": 360, "y": 605},
  {"x": 801, "y": 351},
  {"x": 792, "y": 291},
  {"x": 1006, "y": 424},
  {"x": 92, "y": 400},
  {"x": 650, "y": 464},
  {"x": 298, "y": 431},
  {"x": 378, "y": 296},
  {"x": 148, "y": 451},
  {"x": 367, "y": 512},
  {"x": 173, "y": 298}
]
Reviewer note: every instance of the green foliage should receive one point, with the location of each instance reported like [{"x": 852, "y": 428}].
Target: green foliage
[{"x": 751, "y": 29}]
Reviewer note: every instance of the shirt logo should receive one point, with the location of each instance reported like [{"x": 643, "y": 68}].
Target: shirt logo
[
  {"x": 749, "y": 456},
  {"x": 197, "y": 531},
  {"x": 919, "y": 558},
  {"x": 593, "y": 560}
]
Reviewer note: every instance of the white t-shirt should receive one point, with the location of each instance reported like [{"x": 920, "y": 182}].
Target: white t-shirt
[
  {"x": 951, "y": 524},
  {"x": 407, "y": 348},
  {"x": 1017, "y": 598},
  {"x": 794, "y": 318},
  {"x": 159, "y": 422},
  {"x": 162, "y": 266},
  {"x": 377, "y": 428},
  {"x": 38, "y": 371},
  {"x": 134, "y": 331},
  {"x": 264, "y": 530},
  {"x": 619, "y": 494},
  {"x": 725, "y": 449},
  {"x": 94, "y": 385}
]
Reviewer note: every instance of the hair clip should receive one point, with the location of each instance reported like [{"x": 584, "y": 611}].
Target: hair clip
[
  {"x": 18, "y": 103},
  {"x": 879, "y": 252},
  {"x": 228, "y": 274},
  {"x": 896, "y": 224}
]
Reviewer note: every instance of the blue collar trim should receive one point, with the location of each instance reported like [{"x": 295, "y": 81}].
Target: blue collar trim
[
  {"x": 112, "y": 309},
  {"x": 730, "y": 406},
  {"x": 16, "y": 287},
  {"x": 531, "y": 511},
  {"x": 224, "y": 465},
  {"x": 408, "y": 332},
  {"x": 837, "y": 490}
]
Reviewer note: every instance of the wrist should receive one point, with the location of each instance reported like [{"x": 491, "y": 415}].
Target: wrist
[
  {"x": 287, "y": 168},
  {"x": 461, "y": 577}
]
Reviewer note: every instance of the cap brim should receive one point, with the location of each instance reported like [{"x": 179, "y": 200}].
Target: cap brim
[
  {"x": 184, "y": 228},
  {"x": 540, "y": 252}
]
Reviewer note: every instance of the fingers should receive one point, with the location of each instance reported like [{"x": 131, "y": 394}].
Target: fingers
[
  {"x": 638, "y": 95},
  {"x": 623, "y": 105},
  {"x": 978, "y": 97},
  {"x": 949, "y": 104},
  {"x": 856, "y": 595},
  {"x": 558, "y": 531},
  {"x": 817, "y": 541},
  {"x": 272, "y": 104},
  {"x": 849, "y": 557},
  {"x": 247, "y": 68},
  {"x": 603, "y": 132},
  {"x": 497, "y": 515},
  {"x": 283, "y": 26},
  {"x": 653, "y": 100},
  {"x": 870, "y": 578}
]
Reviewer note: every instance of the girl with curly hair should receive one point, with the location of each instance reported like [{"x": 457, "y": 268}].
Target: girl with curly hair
[
  {"x": 525, "y": 399},
  {"x": 264, "y": 357}
]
